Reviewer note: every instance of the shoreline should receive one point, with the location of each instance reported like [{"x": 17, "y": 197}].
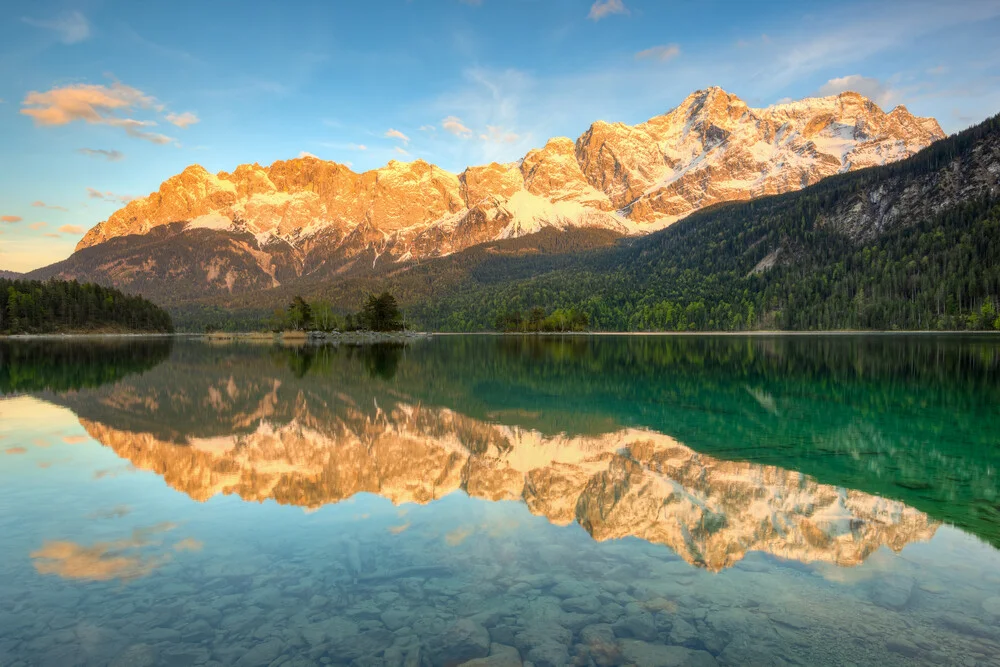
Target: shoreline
[{"x": 371, "y": 336}]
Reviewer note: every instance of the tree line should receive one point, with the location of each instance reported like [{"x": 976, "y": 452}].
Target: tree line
[
  {"x": 379, "y": 313},
  {"x": 58, "y": 306}
]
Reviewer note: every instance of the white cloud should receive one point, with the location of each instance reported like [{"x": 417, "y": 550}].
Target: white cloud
[
  {"x": 401, "y": 150},
  {"x": 94, "y": 193},
  {"x": 357, "y": 147},
  {"x": 94, "y": 104},
  {"x": 305, "y": 154},
  {"x": 454, "y": 125},
  {"x": 109, "y": 155},
  {"x": 41, "y": 204},
  {"x": 182, "y": 120},
  {"x": 428, "y": 128},
  {"x": 874, "y": 89},
  {"x": 603, "y": 8},
  {"x": 662, "y": 53},
  {"x": 71, "y": 27},
  {"x": 391, "y": 133},
  {"x": 498, "y": 135}
]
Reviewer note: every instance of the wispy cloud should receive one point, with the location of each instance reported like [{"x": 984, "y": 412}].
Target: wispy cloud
[
  {"x": 454, "y": 125},
  {"x": 182, "y": 120},
  {"x": 38, "y": 225},
  {"x": 94, "y": 193},
  {"x": 402, "y": 151},
  {"x": 71, "y": 229},
  {"x": 10, "y": 219},
  {"x": 604, "y": 8},
  {"x": 70, "y": 27},
  {"x": 109, "y": 155},
  {"x": 41, "y": 204},
  {"x": 499, "y": 135},
  {"x": 874, "y": 89},
  {"x": 396, "y": 134},
  {"x": 100, "y": 105},
  {"x": 661, "y": 53}
]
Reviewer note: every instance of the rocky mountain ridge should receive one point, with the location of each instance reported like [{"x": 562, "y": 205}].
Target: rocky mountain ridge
[
  {"x": 302, "y": 216},
  {"x": 627, "y": 483}
]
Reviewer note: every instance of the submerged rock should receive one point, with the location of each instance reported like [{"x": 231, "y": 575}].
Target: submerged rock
[
  {"x": 893, "y": 591},
  {"x": 464, "y": 640},
  {"x": 657, "y": 655}
]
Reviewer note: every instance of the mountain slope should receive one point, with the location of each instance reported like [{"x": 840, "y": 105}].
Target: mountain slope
[
  {"x": 915, "y": 244},
  {"x": 311, "y": 219}
]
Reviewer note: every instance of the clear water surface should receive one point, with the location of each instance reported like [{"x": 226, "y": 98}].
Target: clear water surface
[{"x": 703, "y": 500}]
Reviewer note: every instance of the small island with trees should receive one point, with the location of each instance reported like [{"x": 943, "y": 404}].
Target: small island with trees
[
  {"x": 380, "y": 314},
  {"x": 69, "y": 307}
]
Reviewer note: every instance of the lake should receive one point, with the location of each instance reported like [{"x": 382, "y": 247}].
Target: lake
[{"x": 605, "y": 500}]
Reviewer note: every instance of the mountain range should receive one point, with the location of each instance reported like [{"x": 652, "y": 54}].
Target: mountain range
[{"x": 306, "y": 221}]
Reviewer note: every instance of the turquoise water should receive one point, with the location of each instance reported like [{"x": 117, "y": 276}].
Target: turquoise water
[{"x": 577, "y": 501}]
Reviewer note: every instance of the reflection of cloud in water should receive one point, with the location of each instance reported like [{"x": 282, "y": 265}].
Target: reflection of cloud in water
[
  {"x": 396, "y": 530},
  {"x": 39, "y": 442},
  {"x": 457, "y": 536},
  {"x": 75, "y": 439},
  {"x": 188, "y": 544},
  {"x": 103, "y": 561},
  {"x": 114, "y": 472},
  {"x": 116, "y": 512},
  {"x": 15, "y": 450}
]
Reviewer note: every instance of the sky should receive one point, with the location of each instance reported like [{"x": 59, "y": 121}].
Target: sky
[{"x": 103, "y": 100}]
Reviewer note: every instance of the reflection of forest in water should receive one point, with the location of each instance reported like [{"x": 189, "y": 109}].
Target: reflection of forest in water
[{"x": 912, "y": 418}]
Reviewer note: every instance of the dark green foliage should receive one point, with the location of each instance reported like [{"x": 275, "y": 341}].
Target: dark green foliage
[
  {"x": 381, "y": 313},
  {"x": 32, "y": 365},
  {"x": 560, "y": 320},
  {"x": 299, "y": 314},
  {"x": 32, "y": 306}
]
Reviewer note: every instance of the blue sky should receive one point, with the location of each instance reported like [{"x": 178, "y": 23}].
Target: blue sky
[{"x": 103, "y": 100}]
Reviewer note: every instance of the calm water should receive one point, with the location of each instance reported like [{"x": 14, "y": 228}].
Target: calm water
[{"x": 579, "y": 501}]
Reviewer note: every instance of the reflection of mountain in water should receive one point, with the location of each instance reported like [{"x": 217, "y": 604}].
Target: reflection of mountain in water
[
  {"x": 911, "y": 419},
  {"x": 631, "y": 482}
]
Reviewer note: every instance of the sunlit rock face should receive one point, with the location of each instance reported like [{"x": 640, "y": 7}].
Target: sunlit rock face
[
  {"x": 629, "y": 179},
  {"x": 627, "y": 483}
]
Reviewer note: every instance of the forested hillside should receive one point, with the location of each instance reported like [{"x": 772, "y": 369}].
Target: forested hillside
[
  {"x": 54, "y": 306},
  {"x": 912, "y": 245}
]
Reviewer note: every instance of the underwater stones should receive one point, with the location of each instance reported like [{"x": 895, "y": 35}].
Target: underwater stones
[
  {"x": 892, "y": 591},
  {"x": 365, "y": 610},
  {"x": 657, "y": 655},
  {"x": 992, "y": 606},
  {"x": 638, "y": 625},
  {"x": 584, "y": 604},
  {"x": 601, "y": 644},
  {"x": 537, "y": 634},
  {"x": 684, "y": 633},
  {"x": 502, "y": 634},
  {"x": 549, "y": 654},
  {"x": 136, "y": 655},
  {"x": 394, "y": 619},
  {"x": 904, "y": 647},
  {"x": 463, "y": 640},
  {"x": 261, "y": 654},
  {"x": 790, "y": 620},
  {"x": 332, "y": 629},
  {"x": 500, "y": 656},
  {"x": 571, "y": 588},
  {"x": 965, "y": 625}
]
